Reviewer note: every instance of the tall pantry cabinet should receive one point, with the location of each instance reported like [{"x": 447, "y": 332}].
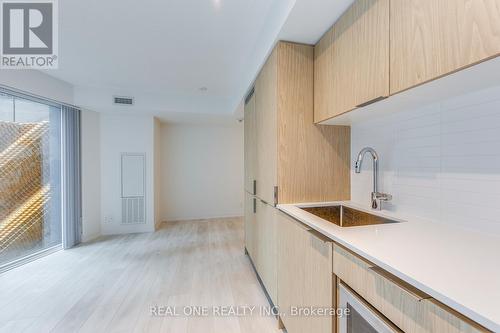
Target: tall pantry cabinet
[{"x": 288, "y": 158}]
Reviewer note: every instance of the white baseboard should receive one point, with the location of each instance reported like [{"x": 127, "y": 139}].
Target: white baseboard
[
  {"x": 181, "y": 219},
  {"x": 88, "y": 238}
]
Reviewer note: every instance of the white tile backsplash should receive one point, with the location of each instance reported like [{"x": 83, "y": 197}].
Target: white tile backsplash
[{"x": 441, "y": 162}]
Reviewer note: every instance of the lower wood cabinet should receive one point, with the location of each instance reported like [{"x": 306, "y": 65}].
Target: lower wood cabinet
[
  {"x": 305, "y": 276},
  {"x": 299, "y": 268},
  {"x": 405, "y": 306},
  {"x": 266, "y": 247},
  {"x": 251, "y": 226},
  {"x": 261, "y": 242}
]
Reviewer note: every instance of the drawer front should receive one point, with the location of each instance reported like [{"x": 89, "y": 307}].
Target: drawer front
[{"x": 408, "y": 308}]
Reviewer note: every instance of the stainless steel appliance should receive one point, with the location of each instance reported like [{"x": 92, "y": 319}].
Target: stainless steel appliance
[{"x": 362, "y": 318}]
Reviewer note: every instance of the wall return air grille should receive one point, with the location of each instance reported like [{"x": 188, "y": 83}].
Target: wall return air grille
[
  {"x": 133, "y": 175},
  {"x": 133, "y": 210}
]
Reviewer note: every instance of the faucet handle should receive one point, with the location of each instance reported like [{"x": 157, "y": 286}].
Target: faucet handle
[
  {"x": 382, "y": 196},
  {"x": 378, "y": 197}
]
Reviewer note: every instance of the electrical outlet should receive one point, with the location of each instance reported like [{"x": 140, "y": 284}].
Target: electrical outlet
[{"x": 108, "y": 219}]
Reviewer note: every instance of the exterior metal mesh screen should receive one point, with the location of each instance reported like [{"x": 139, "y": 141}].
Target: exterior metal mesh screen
[{"x": 24, "y": 187}]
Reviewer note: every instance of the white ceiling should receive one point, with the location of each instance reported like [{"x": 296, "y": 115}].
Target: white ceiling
[
  {"x": 163, "y": 52},
  {"x": 310, "y": 19}
]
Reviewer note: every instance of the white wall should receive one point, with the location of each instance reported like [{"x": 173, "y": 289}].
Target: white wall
[
  {"x": 440, "y": 162},
  {"x": 91, "y": 175},
  {"x": 119, "y": 134},
  {"x": 37, "y": 83},
  {"x": 202, "y": 171}
]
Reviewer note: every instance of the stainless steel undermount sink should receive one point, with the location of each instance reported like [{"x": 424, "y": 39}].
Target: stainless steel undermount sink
[{"x": 347, "y": 217}]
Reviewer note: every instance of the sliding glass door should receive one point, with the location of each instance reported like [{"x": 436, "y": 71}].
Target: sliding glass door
[{"x": 30, "y": 177}]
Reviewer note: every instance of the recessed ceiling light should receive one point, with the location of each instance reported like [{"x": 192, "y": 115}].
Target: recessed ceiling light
[
  {"x": 203, "y": 89},
  {"x": 217, "y": 3}
]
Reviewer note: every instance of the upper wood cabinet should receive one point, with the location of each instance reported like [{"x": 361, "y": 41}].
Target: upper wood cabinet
[
  {"x": 297, "y": 161},
  {"x": 351, "y": 61},
  {"x": 250, "y": 137},
  {"x": 431, "y": 38}
]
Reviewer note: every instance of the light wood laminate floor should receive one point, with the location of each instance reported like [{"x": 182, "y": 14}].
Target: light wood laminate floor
[{"x": 110, "y": 284}]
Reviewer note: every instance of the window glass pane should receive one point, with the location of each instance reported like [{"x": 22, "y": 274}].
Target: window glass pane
[
  {"x": 30, "y": 112},
  {"x": 6, "y": 108},
  {"x": 30, "y": 185}
]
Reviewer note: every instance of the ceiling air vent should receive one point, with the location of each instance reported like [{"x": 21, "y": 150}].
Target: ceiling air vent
[{"x": 123, "y": 100}]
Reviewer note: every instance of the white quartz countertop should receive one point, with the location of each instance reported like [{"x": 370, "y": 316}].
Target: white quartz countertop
[{"x": 458, "y": 267}]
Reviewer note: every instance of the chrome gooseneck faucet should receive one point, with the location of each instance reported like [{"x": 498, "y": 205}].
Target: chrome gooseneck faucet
[{"x": 376, "y": 196}]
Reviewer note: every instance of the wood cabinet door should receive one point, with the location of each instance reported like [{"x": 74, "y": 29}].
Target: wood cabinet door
[
  {"x": 352, "y": 60},
  {"x": 291, "y": 273},
  {"x": 432, "y": 38},
  {"x": 266, "y": 124},
  {"x": 313, "y": 160},
  {"x": 324, "y": 104},
  {"x": 250, "y": 226},
  {"x": 267, "y": 248},
  {"x": 305, "y": 277},
  {"x": 319, "y": 281},
  {"x": 250, "y": 136}
]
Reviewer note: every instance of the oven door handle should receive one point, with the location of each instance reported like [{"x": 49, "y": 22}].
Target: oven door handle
[{"x": 376, "y": 320}]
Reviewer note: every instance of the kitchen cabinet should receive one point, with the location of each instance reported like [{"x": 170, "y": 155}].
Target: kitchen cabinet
[
  {"x": 297, "y": 161},
  {"x": 266, "y": 248},
  {"x": 432, "y": 38},
  {"x": 250, "y": 221},
  {"x": 379, "y": 48},
  {"x": 305, "y": 276},
  {"x": 294, "y": 159},
  {"x": 266, "y": 120},
  {"x": 404, "y": 305},
  {"x": 351, "y": 61},
  {"x": 250, "y": 144}
]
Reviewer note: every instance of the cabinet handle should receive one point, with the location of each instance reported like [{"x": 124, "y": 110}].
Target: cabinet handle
[
  {"x": 254, "y": 205},
  {"x": 295, "y": 221},
  {"x": 254, "y": 187},
  {"x": 275, "y": 195},
  {"x": 375, "y": 100},
  {"x": 301, "y": 225},
  {"x": 319, "y": 235},
  {"x": 412, "y": 291}
]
